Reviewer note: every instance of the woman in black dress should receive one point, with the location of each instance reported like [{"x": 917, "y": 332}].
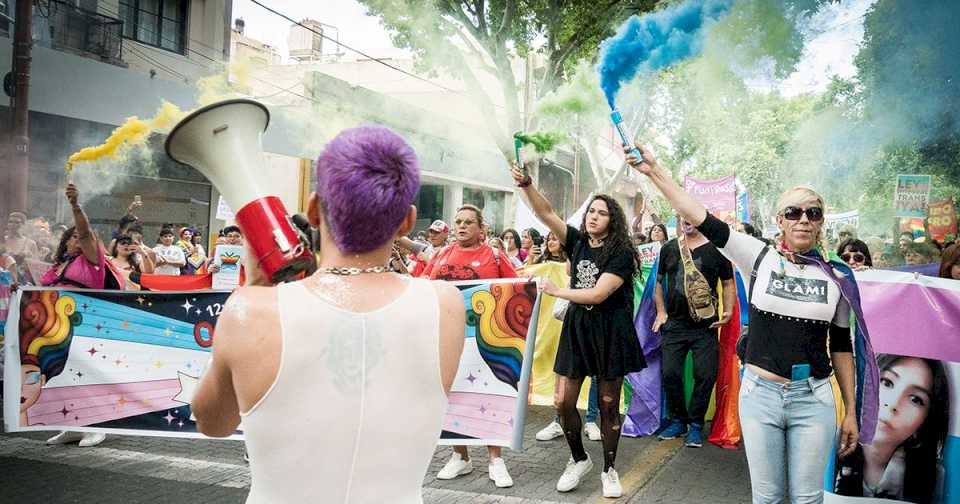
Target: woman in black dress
[{"x": 598, "y": 336}]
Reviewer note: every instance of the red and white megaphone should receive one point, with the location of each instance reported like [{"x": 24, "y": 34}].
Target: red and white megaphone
[{"x": 224, "y": 142}]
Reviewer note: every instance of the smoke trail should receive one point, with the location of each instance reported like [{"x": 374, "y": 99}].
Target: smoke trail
[
  {"x": 541, "y": 141},
  {"x": 655, "y": 41},
  {"x": 133, "y": 132}
]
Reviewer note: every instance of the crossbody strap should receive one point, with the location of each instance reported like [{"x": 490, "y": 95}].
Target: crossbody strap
[{"x": 753, "y": 273}]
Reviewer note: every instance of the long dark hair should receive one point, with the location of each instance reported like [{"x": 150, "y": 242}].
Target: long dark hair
[
  {"x": 60, "y": 256},
  {"x": 546, "y": 256},
  {"x": 922, "y": 451},
  {"x": 516, "y": 238},
  {"x": 662, "y": 228},
  {"x": 618, "y": 233},
  {"x": 132, "y": 258},
  {"x": 951, "y": 256},
  {"x": 856, "y": 246}
]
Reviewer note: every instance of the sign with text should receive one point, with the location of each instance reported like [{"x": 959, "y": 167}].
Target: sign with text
[
  {"x": 943, "y": 219},
  {"x": 911, "y": 196},
  {"x": 719, "y": 195}
]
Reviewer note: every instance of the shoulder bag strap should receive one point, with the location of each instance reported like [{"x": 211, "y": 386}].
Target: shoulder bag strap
[{"x": 753, "y": 273}]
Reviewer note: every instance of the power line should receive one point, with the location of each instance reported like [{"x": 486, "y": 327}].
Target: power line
[{"x": 361, "y": 53}]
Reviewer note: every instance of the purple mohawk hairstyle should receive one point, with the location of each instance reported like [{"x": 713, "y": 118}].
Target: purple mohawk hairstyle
[{"x": 367, "y": 178}]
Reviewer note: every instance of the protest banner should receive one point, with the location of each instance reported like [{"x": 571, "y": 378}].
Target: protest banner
[
  {"x": 914, "y": 325},
  {"x": 943, "y": 219},
  {"x": 106, "y": 361},
  {"x": 911, "y": 195},
  {"x": 719, "y": 195},
  {"x": 488, "y": 399},
  {"x": 128, "y": 362}
]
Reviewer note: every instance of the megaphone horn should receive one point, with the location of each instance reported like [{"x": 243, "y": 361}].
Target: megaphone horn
[{"x": 223, "y": 141}]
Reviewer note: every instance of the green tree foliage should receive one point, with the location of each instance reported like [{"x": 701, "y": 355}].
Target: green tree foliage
[{"x": 467, "y": 37}]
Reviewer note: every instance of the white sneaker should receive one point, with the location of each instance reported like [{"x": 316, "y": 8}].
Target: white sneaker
[
  {"x": 92, "y": 439},
  {"x": 611, "y": 484},
  {"x": 454, "y": 467},
  {"x": 552, "y": 431},
  {"x": 498, "y": 473},
  {"x": 65, "y": 437},
  {"x": 592, "y": 431},
  {"x": 572, "y": 474}
]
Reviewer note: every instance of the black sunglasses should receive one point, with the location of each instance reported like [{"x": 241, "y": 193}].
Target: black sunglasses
[
  {"x": 814, "y": 214},
  {"x": 857, "y": 257}
]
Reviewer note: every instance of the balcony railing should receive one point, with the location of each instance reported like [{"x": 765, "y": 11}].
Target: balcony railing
[{"x": 88, "y": 33}]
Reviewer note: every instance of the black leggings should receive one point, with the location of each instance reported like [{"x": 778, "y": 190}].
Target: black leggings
[{"x": 566, "y": 401}]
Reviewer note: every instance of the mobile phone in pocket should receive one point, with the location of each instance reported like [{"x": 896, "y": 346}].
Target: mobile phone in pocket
[{"x": 800, "y": 372}]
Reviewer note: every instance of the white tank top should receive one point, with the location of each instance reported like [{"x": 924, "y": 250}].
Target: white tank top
[{"x": 355, "y": 411}]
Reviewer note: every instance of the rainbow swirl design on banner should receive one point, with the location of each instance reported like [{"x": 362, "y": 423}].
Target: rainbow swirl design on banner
[{"x": 500, "y": 317}]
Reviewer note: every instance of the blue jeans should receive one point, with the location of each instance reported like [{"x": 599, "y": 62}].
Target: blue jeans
[
  {"x": 789, "y": 431},
  {"x": 593, "y": 409}
]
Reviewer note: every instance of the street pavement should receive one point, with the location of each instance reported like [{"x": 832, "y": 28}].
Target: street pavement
[{"x": 127, "y": 469}]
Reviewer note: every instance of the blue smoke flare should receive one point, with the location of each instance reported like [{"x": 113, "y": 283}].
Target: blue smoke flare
[{"x": 655, "y": 41}]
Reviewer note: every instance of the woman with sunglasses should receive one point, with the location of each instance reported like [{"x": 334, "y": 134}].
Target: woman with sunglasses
[
  {"x": 129, "y": 257},
  {"x": 855, "y": 253},
  {"x": 797, "y": 297}
]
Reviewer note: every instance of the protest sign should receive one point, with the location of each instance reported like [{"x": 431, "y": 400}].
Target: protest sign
[
  {"x": 943, "y": 219},
  {"x": 914, "y": 325},
  {"x": 719, "y": 195},
  {"x": 228, "y": 259},
  {"x": 648, "y": 253},
  {"x": 911, "y": 195}
]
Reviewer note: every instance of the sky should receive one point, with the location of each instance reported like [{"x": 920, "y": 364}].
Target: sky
[
  {"x": 357, "y": 29},
  {"x": 834, "y": 35}
]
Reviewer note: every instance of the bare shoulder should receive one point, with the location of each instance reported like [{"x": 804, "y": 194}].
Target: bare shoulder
[
  {"x": 445, "y": 290},
  {"x": 249, "y": 311}
]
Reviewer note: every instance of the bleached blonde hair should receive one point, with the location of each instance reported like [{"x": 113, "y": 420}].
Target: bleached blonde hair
[
  {"x": 802, "y": 194},
  {"x": 796, "y": 195}
]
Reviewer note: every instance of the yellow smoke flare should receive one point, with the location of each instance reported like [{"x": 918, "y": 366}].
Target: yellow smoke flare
[{"x": 134, "y": 131}]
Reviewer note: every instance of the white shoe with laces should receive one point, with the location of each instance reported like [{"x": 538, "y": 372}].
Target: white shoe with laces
[
  {"x": 65, "y": 437},
  {"x": 611, "y": 484},
  {"x": 592, "y": 431},
  {"x": 92, "y": 439},
  {"x": 498, "y": 473},
  {"x": 572, "y": 474},
  {"x": 552, "y": 431},
  {"x": 454, "y": 467}
]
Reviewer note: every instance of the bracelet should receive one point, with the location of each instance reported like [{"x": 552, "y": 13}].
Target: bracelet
[
  {"x": 76, "y": 208},
  {"x": 525, "y": 182}
]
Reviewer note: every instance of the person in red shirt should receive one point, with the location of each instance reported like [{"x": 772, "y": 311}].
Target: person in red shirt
[{"x": 470, "y": 258}]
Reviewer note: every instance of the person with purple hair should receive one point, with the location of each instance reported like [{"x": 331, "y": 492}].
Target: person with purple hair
[{"x": 326, "y": 371}]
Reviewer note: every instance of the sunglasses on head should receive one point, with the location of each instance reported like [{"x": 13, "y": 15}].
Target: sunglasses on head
[
  {"x": 856, "y": 256},
  {"x": 814, "y": 214}
]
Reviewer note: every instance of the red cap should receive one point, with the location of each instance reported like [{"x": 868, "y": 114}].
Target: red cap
[{"x": 439, "y": 226}]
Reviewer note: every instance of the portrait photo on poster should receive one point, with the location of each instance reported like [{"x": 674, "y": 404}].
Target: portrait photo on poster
[{"x": 914, "y": 455}]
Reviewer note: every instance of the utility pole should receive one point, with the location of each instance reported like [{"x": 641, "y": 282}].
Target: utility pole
[{"x": 20, "y": 128}]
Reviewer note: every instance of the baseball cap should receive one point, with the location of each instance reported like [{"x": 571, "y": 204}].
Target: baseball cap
[{"x": 439, "y": 226}]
